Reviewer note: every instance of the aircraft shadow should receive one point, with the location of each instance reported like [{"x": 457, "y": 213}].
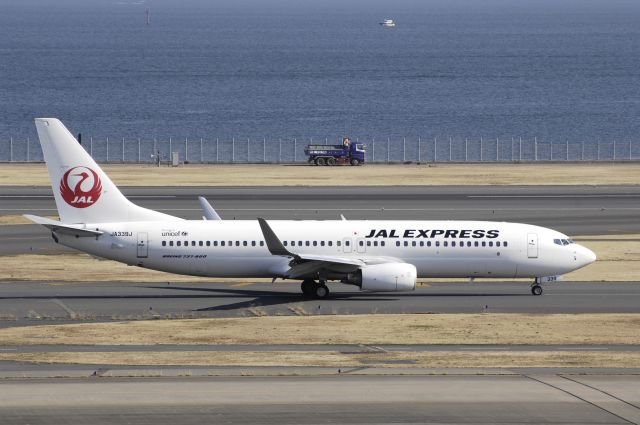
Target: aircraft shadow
[{"x": 260, "y": 298}]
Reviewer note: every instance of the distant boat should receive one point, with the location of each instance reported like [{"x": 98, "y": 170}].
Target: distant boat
[{"x": 388, "y": 23}]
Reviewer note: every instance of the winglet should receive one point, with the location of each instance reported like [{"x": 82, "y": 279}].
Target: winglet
[
  {"x": 273, "y": 243},
  {"x": 209, "y": 212}
]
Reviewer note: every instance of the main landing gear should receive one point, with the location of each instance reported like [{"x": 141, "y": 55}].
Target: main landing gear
[
  {"x": 536, "y": 289},
  {"x": 315, "y": 289}
]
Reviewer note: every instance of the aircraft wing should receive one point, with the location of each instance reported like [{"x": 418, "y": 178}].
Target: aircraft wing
[
  {"x": 311, "y": 264},
  {"x": 62, "y": 228}
]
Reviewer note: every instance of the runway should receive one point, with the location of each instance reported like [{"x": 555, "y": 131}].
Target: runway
[
  {"x": 575, "y": 210},
  {"x": 541, "y": 398},
  {"x": 24, "y": 303}
]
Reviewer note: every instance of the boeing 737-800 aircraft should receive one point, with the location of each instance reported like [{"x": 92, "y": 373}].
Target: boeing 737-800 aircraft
[{"x": 95, "y": 217}]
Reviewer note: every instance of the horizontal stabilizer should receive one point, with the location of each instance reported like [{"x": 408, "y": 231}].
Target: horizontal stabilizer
[{"x": 63, "y": 229}]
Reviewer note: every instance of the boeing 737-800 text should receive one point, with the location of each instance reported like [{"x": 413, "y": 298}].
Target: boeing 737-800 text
[{"x": 95, "y": 217}]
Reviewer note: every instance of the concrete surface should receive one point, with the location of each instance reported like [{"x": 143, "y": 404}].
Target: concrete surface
[
  {"x": 23, "y": 303},
  {"x": 509, "y": 399}
]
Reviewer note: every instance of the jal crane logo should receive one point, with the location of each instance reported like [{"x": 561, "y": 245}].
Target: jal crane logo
[{"x": 80, "y": 178}]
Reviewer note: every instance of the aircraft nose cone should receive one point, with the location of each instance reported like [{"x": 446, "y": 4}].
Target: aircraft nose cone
[{"x": 586, "y": 255}]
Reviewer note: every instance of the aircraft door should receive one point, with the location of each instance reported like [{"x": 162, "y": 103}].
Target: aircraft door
[
  {"x": 532, "y": 245},
  {"x": 361, "y": 245},
  {"x": 143, "y": 245},
  {"x": 346, "y": 245}
]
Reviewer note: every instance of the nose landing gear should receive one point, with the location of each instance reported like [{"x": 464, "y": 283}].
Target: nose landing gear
[
  {"x": 536, "y": 289},
  {"x": 315, "y": 289}
]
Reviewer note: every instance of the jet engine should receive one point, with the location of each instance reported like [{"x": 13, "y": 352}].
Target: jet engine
[{"x": 387, "y": 277}]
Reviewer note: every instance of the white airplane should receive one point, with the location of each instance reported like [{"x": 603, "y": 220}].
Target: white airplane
[{"x": 388, "y": 255}]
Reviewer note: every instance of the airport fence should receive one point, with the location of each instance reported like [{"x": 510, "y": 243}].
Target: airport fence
[{"x": 379, "y": 150}]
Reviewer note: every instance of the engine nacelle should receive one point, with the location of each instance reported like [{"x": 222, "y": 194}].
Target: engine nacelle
[{"x": 388, "y": 277}]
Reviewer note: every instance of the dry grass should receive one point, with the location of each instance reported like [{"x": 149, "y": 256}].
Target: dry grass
[
  {"x": 18, "y": 219},
  {"x": 345, "y": 329},
  {"x": 438, "y": 359},
  {"x": 370, "y": 175},
  {"x": 618, "y": 260}
]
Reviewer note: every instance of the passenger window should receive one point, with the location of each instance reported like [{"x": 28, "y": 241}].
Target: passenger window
[
  {"x": 221, "y": 243},
  {"x": 421, "y": 243},
  {"x": 261, "y": 243},
  {"x": 338, "y": 243},
  {"x": 299, "y": 243},
  {"x": 445, "y": 243},
  {"x": 437, "y": 243},
  {"x": 453, "y": 243},
  {"x": 406, "y": 243},
  {"x": 208, "y": 243},
  {"x": 484, "y": 243},
  {"x": 186, "y": 243},
  {"x": 253, "y": 243},
  {"x": 397, "y": 243},
  {"x": 428, "y": 243},
  {"x": 347, "y": 243},
  {"x": 368, "y": 243},
  {"x": 215, "y": 243},
  {"x": 321, "y": 243},
  {"x": 284, "y": 243},
  {"x": 469, "y": 243},
  {"x": 237, "y": 243},
  {"x": 315, "y": 243},
  {"x": 307, "y": 243},
  {"x": 498, "y": 243},
  {"x": 413, "y": 243},
  {"x": 179, "y": 243},
  {"x": 170, "y": 243},
  {"x": 200, "y": 243},
  {"x": 245, "y": 243},
  {"x": 164, "y": 243},
  {"x": 330, "y": 243},
  {"x": 476, "y": 243},
  {"x": 381, "y": 243},
  {"x": 490, "y": 243},
  {"x": 505, "y": 244}
]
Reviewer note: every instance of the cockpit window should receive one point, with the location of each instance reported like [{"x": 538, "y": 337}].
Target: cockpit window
[{"x": 563, "y": 242}]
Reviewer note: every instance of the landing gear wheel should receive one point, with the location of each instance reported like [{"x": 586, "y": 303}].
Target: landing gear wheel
[
  {"x": 321, "y": 291},
  {"x": 308, "y": 287},
  {"x": 355, "y": 162},
  {"x": 331, "y": 161},
  {"x": 536, "y": 290},
  {"x": 320, "y": 161}
]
